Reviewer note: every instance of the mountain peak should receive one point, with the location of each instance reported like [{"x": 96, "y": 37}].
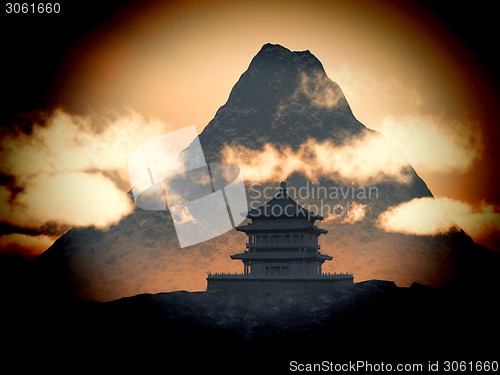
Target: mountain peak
[
  {"x": 284, "y": 97},
  {"x": 278, "y": 49},
  {"x": 304, "y": 60}
]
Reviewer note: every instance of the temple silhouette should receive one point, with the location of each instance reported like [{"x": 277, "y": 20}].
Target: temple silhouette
[{"x": 282, "y": 251}]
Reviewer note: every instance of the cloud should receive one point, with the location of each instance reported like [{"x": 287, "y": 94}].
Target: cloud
[
  {"x": 432, "y": 216},
  {"x": 72, "y": 198},
  {"x": 433, "y": 145},
  {"x": 356, "y": 213},
  {"x": 72, "y": 170},
  {"x": 183, "y": 215},
  {"x": 24, "y": 245},
  {"x": 364, "y": 159},
  {"x": 320, "y": 90},
  {"x": 66, "y": 142},
  {"x": 350, "y": 213}
]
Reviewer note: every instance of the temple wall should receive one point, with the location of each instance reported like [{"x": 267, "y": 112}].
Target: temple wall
[
  {"x": 252, "y": 285},
  {"x": 289, "y": 269}
]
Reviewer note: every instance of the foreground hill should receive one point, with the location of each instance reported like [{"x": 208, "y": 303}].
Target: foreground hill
[{"x": 242, "y": 333}]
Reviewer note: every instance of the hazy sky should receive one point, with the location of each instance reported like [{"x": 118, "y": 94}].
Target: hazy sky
[{"x": 404, "y": 69}]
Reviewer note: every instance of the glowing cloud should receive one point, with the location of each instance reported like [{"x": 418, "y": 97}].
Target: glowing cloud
[
  {"x": 72, "y": 198},
  {"x": 431, "y": 144},
  {"x": 368, "y": 158},
  {"x": 319, "y": 89},
  {"x": 351, "y": 213},
  {"x": 72, "y": 170},
  {"x": 356, "y": 213},
  {"x": 432, "y": 216},
  {"x": 183, "y": 214},
  {"x": 66, "y": 142}
]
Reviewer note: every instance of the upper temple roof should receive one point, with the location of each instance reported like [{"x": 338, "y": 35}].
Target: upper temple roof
[{"x": 282, "y": 206}]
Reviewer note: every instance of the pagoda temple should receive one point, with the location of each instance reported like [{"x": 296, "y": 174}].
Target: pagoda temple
[{"x": 282, "y": 251}]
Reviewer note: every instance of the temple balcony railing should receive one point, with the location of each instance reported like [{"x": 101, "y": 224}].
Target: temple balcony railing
[
  {"x": 335, "y": 275},
  {"x": 270, "y": 244}
]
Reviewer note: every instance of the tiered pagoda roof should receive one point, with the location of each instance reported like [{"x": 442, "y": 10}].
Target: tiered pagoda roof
[
  {"x": 283, "y": 210},
  {"x": 278, "y": 256}
]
